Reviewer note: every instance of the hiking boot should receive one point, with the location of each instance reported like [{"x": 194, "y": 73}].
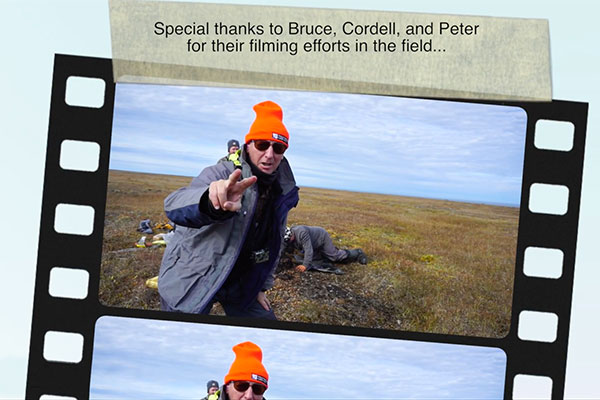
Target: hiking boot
[
  {"x": 362, "y": 257},
  {"x": 355, "y": 255}
]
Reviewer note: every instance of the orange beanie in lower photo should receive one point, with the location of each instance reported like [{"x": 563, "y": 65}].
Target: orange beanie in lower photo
[{"x": 247, "y": 365}]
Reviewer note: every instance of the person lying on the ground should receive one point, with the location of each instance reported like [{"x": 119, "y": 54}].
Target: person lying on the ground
[{"x": 318, "y": 249}]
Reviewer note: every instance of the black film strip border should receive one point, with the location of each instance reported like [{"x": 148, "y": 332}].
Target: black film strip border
[{"x": 84, "y": 252}]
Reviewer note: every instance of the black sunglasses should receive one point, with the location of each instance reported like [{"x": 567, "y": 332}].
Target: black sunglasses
[
  {"x": 242, "y": 386},
  {"x": 263, "y": 145}
]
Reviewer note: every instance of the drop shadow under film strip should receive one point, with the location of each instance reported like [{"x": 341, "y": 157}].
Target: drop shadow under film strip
[{"x": 78, "y": 316}]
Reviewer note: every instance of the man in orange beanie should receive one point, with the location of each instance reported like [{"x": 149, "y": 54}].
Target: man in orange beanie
[
  {"x": 247, "y": 378},
  {"x": 230, "y": 225}
]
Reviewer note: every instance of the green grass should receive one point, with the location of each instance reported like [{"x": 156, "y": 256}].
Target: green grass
[{"x": 434, "y": 266}]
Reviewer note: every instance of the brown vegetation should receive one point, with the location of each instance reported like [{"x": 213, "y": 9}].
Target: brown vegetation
[{"x": 434, "y": 266}]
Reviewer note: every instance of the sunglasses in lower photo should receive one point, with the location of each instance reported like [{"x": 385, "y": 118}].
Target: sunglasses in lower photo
[{"x": 151, "y": 359}]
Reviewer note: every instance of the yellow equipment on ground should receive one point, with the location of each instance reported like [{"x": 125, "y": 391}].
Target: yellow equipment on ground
[{"x": 152, "y": 283}]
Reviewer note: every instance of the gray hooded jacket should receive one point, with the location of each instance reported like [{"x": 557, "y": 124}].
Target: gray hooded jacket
[{"x": 203, "y": 251}]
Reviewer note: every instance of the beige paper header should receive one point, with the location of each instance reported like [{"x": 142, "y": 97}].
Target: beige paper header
[{"x": 423, "y": 55}]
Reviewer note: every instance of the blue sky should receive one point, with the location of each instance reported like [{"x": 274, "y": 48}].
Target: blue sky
[
  {"x": 151, "y": 359},
  {"x": 379, "y": 144}
]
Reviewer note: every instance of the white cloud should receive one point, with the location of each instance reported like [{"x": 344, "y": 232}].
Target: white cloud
[{"x": 331, "y": 136}]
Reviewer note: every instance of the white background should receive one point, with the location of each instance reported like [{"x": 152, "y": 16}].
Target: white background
[{"x": 31, "y": 32}]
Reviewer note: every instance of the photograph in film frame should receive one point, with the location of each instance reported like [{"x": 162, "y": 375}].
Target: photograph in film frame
[
  {"x": 131, "y": 356},
  {"x": 407, "y": 218},
  {"x": 405, "y": 225}
]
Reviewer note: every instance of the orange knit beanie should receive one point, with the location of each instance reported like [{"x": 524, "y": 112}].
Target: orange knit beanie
[
  {"x": 268, "y": 124},
  {"x": 247, "y": 365}
]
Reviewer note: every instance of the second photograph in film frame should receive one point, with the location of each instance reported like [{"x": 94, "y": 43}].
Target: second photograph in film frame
[
  {"x": 406, "y": 215},
  {"x": 153, "y": 359}
]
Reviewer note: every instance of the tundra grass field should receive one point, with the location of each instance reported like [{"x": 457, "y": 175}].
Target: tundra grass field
[{"x": 434, "y": 265}]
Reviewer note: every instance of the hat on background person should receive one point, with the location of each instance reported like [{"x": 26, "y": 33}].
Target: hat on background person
[
  {"x": 288, "y": 234},
  {"x": 268, "y": 124},
  {"x": 247, "y": 365},
  {"x": 232, "y": 143},
  {"x": 211, "y": 384}
]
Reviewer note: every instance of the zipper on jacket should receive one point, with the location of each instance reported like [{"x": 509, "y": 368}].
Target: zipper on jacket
[{"x": 237, "y": 254}]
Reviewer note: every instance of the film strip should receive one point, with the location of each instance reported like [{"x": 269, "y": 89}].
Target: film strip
[{"x": 54, "y": 315}]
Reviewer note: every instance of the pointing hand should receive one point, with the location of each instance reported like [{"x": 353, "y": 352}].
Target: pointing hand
[{"x": 226, "y": 194}]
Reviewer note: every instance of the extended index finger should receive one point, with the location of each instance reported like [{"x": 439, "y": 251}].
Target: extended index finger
[
  {"x": 235, "y": 175},
  {"x": 245, "y": 183}
]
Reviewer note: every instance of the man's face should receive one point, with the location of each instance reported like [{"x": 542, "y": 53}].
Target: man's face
[
  {"x": 233, "y": 149},
  {"x": 267, "y": 160},
  {"x": 212, "y": 390},
  {"x": 234, "y": 394}
]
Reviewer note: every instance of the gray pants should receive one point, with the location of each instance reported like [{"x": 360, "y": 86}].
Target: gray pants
[{"x": 329, "y": 251}]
